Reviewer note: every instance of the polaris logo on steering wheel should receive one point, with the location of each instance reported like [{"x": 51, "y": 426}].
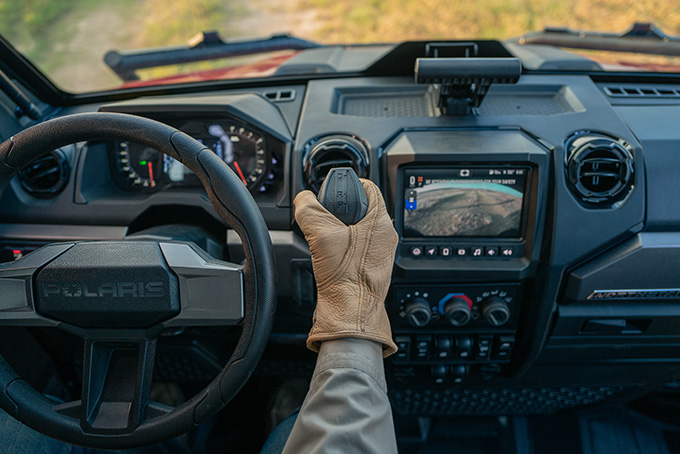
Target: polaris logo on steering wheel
[{"x": 104, "y": 290}]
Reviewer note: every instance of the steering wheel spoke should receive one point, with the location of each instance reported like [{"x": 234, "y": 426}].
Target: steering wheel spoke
[
  {"x": 211, "y": 291},
  {"x": 116, "y": 384},
  {"x": 17, "y": 303}
]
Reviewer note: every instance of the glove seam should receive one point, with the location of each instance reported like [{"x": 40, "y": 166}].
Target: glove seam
[{"x": 362, "y": 270}]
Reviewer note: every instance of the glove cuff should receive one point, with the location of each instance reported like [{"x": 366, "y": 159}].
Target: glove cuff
[
  {"x": 350, "y": 315},
  {"x": 315, "y": 340}
]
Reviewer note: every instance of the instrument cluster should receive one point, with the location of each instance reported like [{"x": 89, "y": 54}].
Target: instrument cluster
[{"x": 249, "y": 152}]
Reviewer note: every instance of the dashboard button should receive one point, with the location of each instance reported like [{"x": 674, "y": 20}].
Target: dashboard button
[
  {"x": 483, "y": 349},
  {"x": 403, "y": 346},
  {"x": 507, "y": 251},
  {"x": 445, "y": 251},
  {"x": 491, "y": 251},
  {"x": 442, "y": 346},
  {"x": 416, "y": 251},
  {"x": 431, "y": 251},
  {"x": 504, "y": 346},
  {"x": 477, "y": 251},
  {"x": 461, "y": 252},
  {"x": 459, "y": 372},
  {"x": 439, "y": 373},
  {"x": 423, "y": 344},
  {"x": 463, "y": 346}
]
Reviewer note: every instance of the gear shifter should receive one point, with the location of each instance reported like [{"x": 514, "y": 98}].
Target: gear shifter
[{"x": 343, "y": 195}]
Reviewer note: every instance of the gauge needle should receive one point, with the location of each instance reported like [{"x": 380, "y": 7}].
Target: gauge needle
[
  {"x": 240, "y": 174},
  {"x": 151, "y": 180}
]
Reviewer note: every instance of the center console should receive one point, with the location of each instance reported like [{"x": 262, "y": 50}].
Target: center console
[{"x": 468, "y": 207}]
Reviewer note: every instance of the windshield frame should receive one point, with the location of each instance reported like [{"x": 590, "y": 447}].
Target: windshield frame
[{"x": 394, "y": 63}]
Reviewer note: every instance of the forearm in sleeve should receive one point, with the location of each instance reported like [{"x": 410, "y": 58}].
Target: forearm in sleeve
[{"x": 346, "y": 408}]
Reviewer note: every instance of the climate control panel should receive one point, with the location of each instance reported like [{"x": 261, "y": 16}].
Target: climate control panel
[
  {"x": 453, "y": 333},
  {"x": 442, "y": 307}
]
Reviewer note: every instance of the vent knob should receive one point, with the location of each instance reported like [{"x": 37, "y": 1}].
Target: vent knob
[
  {"x": 495, "y": 311},
  {"x": 457, "y": 311},
  {"x": 46, "y": 176},
  {"x": 334, "y": 151},
  {"x": 418, "y": 312},
  {"x": 599, "y": 169}
]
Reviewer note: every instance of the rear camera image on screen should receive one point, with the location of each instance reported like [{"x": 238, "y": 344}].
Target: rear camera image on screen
[{"x": 464, "y": 202}]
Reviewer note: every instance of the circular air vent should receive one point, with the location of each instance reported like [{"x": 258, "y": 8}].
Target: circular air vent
[
  {"x": 46, "y": 176},
  {"x": 329, "y": 152},
  {"x": 599, "y": 168}
]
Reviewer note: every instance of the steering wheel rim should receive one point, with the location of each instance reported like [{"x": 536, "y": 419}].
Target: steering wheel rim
[{"x": 232, "y": 202}]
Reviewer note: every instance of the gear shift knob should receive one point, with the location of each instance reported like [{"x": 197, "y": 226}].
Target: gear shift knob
[{"x": 343, "y": 195}]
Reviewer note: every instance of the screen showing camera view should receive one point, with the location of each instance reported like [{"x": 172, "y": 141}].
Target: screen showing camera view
[{"x": 464, "y": 202}]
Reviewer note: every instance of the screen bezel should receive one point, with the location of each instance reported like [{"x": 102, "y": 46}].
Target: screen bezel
[{"x": 526, "y": 202}]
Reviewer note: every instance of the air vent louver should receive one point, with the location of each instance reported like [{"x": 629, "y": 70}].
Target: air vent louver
[
  {"x": 280, "y": 95},
  {"x": 644, "y": 91},
  {"x": 46, "y": 176},
  {"x": 333, "y": 151},
  {"x": 599, "y": 169}
]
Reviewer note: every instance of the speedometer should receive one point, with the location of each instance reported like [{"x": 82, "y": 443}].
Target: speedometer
[
  {"x": 139, "y": 164},
  {"x": 239, "y": 146}
]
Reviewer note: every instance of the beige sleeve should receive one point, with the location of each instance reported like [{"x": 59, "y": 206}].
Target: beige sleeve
[{"x": 346, "y": 408}]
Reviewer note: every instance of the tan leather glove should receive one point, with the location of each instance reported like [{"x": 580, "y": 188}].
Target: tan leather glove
[{"x": 352, "y": 267}]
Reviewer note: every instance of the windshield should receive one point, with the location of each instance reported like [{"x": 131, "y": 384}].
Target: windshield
[{"x": 69, "y": 39}]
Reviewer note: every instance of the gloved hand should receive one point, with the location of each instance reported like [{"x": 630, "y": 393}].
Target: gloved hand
[{"x": 352, "y": 267}]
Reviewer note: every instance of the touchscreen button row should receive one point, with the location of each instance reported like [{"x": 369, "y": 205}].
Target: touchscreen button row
[{"x": 462, "y": 251}]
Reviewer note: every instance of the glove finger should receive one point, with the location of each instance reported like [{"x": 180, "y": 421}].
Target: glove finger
[
  {"x": 375, "y": 198},
  {"x": 311, "y": 216},
  {"x": 376, "y": 207}
]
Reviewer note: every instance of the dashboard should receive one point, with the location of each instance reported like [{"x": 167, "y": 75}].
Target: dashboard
[{"x": 535, "y": 268}]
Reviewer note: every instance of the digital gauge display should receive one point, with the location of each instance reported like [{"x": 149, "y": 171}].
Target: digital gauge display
[{"x": 241, "y": 147}]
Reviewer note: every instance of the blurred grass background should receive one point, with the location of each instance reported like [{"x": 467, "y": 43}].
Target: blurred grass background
[{"x": 67, "y": 39}]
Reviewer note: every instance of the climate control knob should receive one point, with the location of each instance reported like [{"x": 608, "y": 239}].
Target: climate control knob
[
  {"x": 457, "y": 311},
  {"x": 495, "y": 311},
  {"x": 418, "y": 312}
]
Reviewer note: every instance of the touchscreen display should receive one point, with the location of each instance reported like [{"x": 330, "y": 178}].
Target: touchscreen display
[{"x": 464, "y": 202}]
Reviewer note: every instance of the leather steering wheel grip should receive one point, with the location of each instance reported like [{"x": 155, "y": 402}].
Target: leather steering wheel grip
[{"x": 232, "y": 202}]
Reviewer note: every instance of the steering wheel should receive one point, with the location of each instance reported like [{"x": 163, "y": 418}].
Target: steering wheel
[{"x": 118, "y": 296}]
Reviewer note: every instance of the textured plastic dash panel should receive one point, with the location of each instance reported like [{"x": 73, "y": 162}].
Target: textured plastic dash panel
[
  {"x": 406, "y": 101},
  {"x": 522, "y": 401},
  {"x": 519, "y": 105},
  {"x": 409, "y": 101}
]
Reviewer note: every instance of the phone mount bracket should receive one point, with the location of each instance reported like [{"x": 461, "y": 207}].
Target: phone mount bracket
[{"x": 463, "y": 82}]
